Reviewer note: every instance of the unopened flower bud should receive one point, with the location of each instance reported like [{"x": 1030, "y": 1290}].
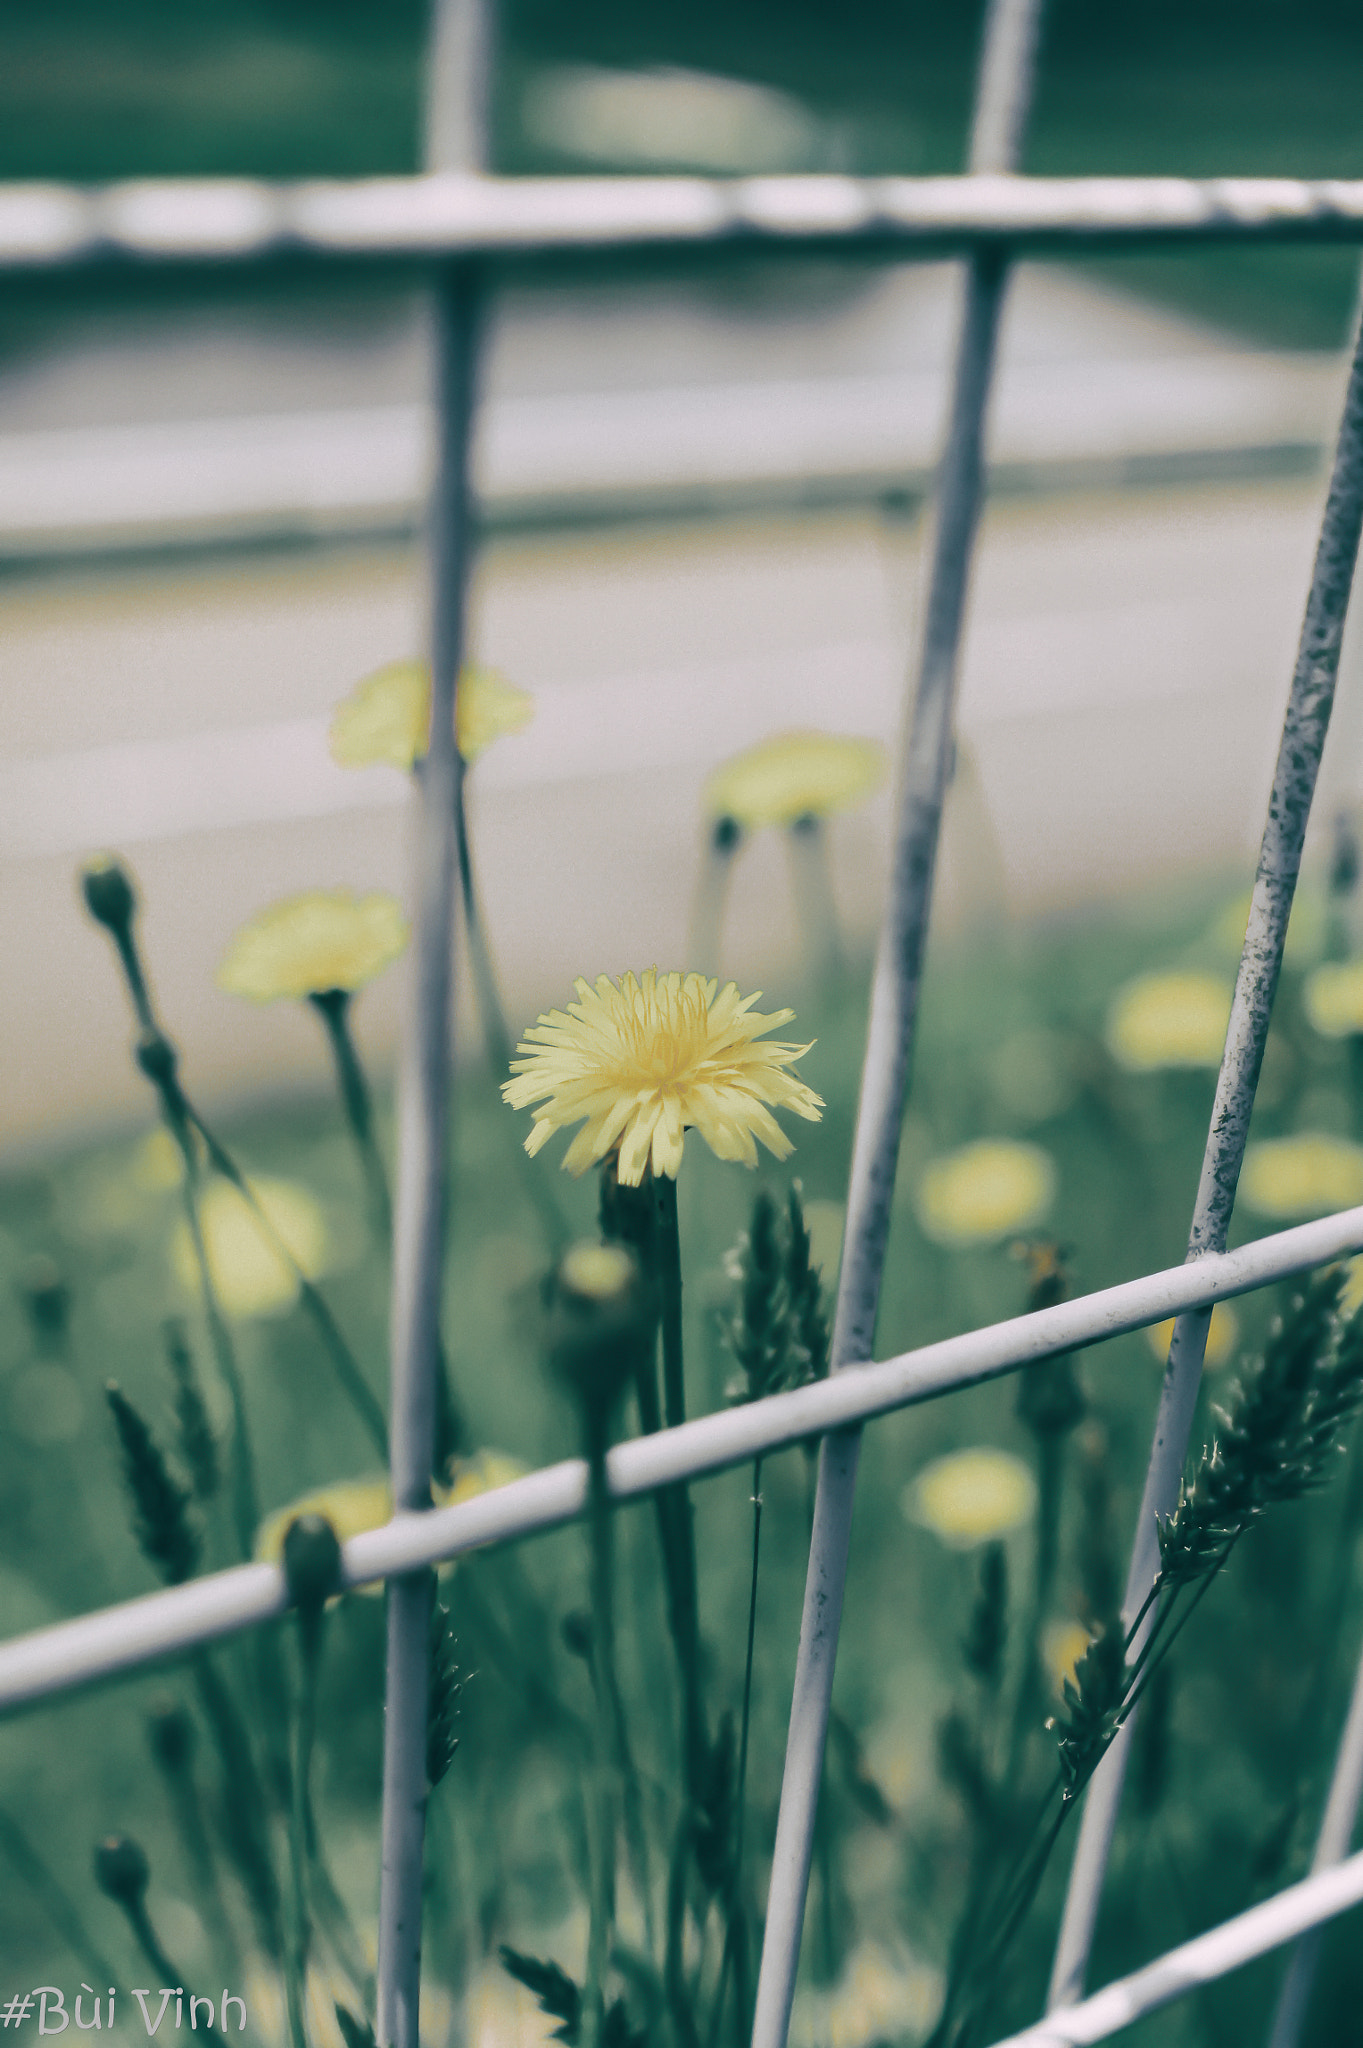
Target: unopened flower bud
[
  {"x": 46, "y": 1295},
  {"x": 121, "y": 1869},
  {"x": 576, "y": 1631},
  {"x": 312, "y": 1562},
  {"x": 109, "y": 895},
  {"x": 601, "y": 1320},
  {"x": 157, "y": 1058},
  {"x": 170, "y": 1731}
]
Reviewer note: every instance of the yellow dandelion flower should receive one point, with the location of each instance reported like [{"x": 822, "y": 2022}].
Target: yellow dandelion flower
[
  {"x": 351, "y": 1506},
  {"x": 1333, "y": 999},
  {"x": 1062, "y": 1645},
  {"x": 325, "y": 939},
  {"x": 1303, "y": 1176},
  {"x": 386, "y": 720},
  {"x": 644, "y": 1059},
  {"x": 1177, "y": 1019},
  {"x": 970, "y": 1497},
  {"x": 984, "y": 1192},
  {"x": 795, "y": 775},
  {"x": 249, "y": 1276},
  {"x": 1222, "y": 1337}
]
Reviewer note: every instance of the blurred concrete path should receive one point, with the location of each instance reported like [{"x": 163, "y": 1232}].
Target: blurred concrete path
[
  {"x": 758, "y": 388},
  {"x": 1126, "y": 666}
]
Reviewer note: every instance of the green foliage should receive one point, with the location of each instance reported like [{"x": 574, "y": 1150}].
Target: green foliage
[
  {"x": 986, "y": 1636},
  {"x": 778, "y": 1332},
  {"x": 442, "y": 1701},
  {"x": 196, "y": 1439},
  {"x": 161, "y": 1504},
  {"x": 1278, "y": 1438}
]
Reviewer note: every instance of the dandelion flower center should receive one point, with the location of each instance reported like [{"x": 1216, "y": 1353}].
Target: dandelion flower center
[{"x": 640, "y": 1061}]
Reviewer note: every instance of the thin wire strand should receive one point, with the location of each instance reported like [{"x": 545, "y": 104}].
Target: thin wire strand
[
  {"x": 1303, "y": 739},
  {"x": 1003, "y": 96}
]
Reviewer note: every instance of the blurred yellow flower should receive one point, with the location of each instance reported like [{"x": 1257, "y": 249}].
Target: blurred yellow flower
[
  {"x": 1303, "y": 1176},
  {"x": 984, "y": 1191},
  {"x": 351, "y": 1506},
  {"x": 970, "y": 1497},
  {"x": 386, "y": 719},
  {"x": 158, "y": 1165},
  {"x": 1062, "y": 1645},
  {"x": 795, "y": 775},
  {"x": 1305, "y": 928},
  {"x": 1333, "y": 999},
  {"x": 880, "y": 1997},
  {"x": 326, "y": 939},
  {"x": 644, "y": 1060},
  {"x": 1222, "y": 1337},
  {"x": 249, "y": 1276},
  {"x": 1176, "y": 1019},
  {"x": 483, "y": 1472}
]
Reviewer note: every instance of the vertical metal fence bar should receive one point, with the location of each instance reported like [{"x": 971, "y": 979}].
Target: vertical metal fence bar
[
  {"x": 454, "y": 122},
  {"x": 1332, "y": 1846},
  {"x": 1002, "y": 99},
  {"x": 1304, "y": 728}
]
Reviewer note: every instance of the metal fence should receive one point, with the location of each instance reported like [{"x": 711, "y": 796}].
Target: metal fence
[{"x": 468, "y": 228}]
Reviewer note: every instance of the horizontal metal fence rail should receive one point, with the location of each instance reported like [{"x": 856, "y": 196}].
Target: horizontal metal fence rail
[
  {"x": 442, "y": 215},
  {"x": 1289, "y": 1913},
  {"x": 120, "y": 1639}
]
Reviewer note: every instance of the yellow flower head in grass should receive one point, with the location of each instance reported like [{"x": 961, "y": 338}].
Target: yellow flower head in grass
[
  {"x": 1222, "y": 1337},
  {"x": 795, "y": 775},
  {"x": 971, "y": 1497},
  {"x": 1062, "y": 1646},
  {"x": 249, "y": 1276},
  {"x": 386, "y": 720},
  {"x": 1169, "y": 1020},
  {"x": 1333, "y": 999},
  {"x": 984, "y": 1191},
  {"x": 325, "y": 939},
  {"x": 483, "y": 1472},
  {"x": 640, "y": 1061},
  {"x": 351, "y": 1506},
  {"x": 1303, "y": 1176}
]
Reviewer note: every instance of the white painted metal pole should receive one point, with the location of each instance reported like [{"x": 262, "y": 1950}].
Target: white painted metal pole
[
  {"x": 1303, "y": 739},
  {"x": 419, "y": 1234}
]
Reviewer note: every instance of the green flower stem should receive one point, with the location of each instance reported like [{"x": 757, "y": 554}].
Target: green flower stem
[
  {"x": 497, "y": 1039},
  {"x": 33, "y": 1871},
  {"x": 147, "y": 1939},
  {"x": 192, "y": 1829},
  {"x": 354, "y": 1385},
  {"x": 723, "y": 841},
  {"x": 1050, "y": 1447},
  {"x": 675, "y": 1987},
  {"x": 333, "y": 1007},
  {"x": 301, "y": 1829},
  {"x": 245, "y": 1496},
  {"x": 243, "y": 1803},
  {"x": 814, "y": 901},
  {"x": 607, "y": 1732},
  {"x": 683, "y": 1602},
  {"x": 735, "y": 1937}
]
